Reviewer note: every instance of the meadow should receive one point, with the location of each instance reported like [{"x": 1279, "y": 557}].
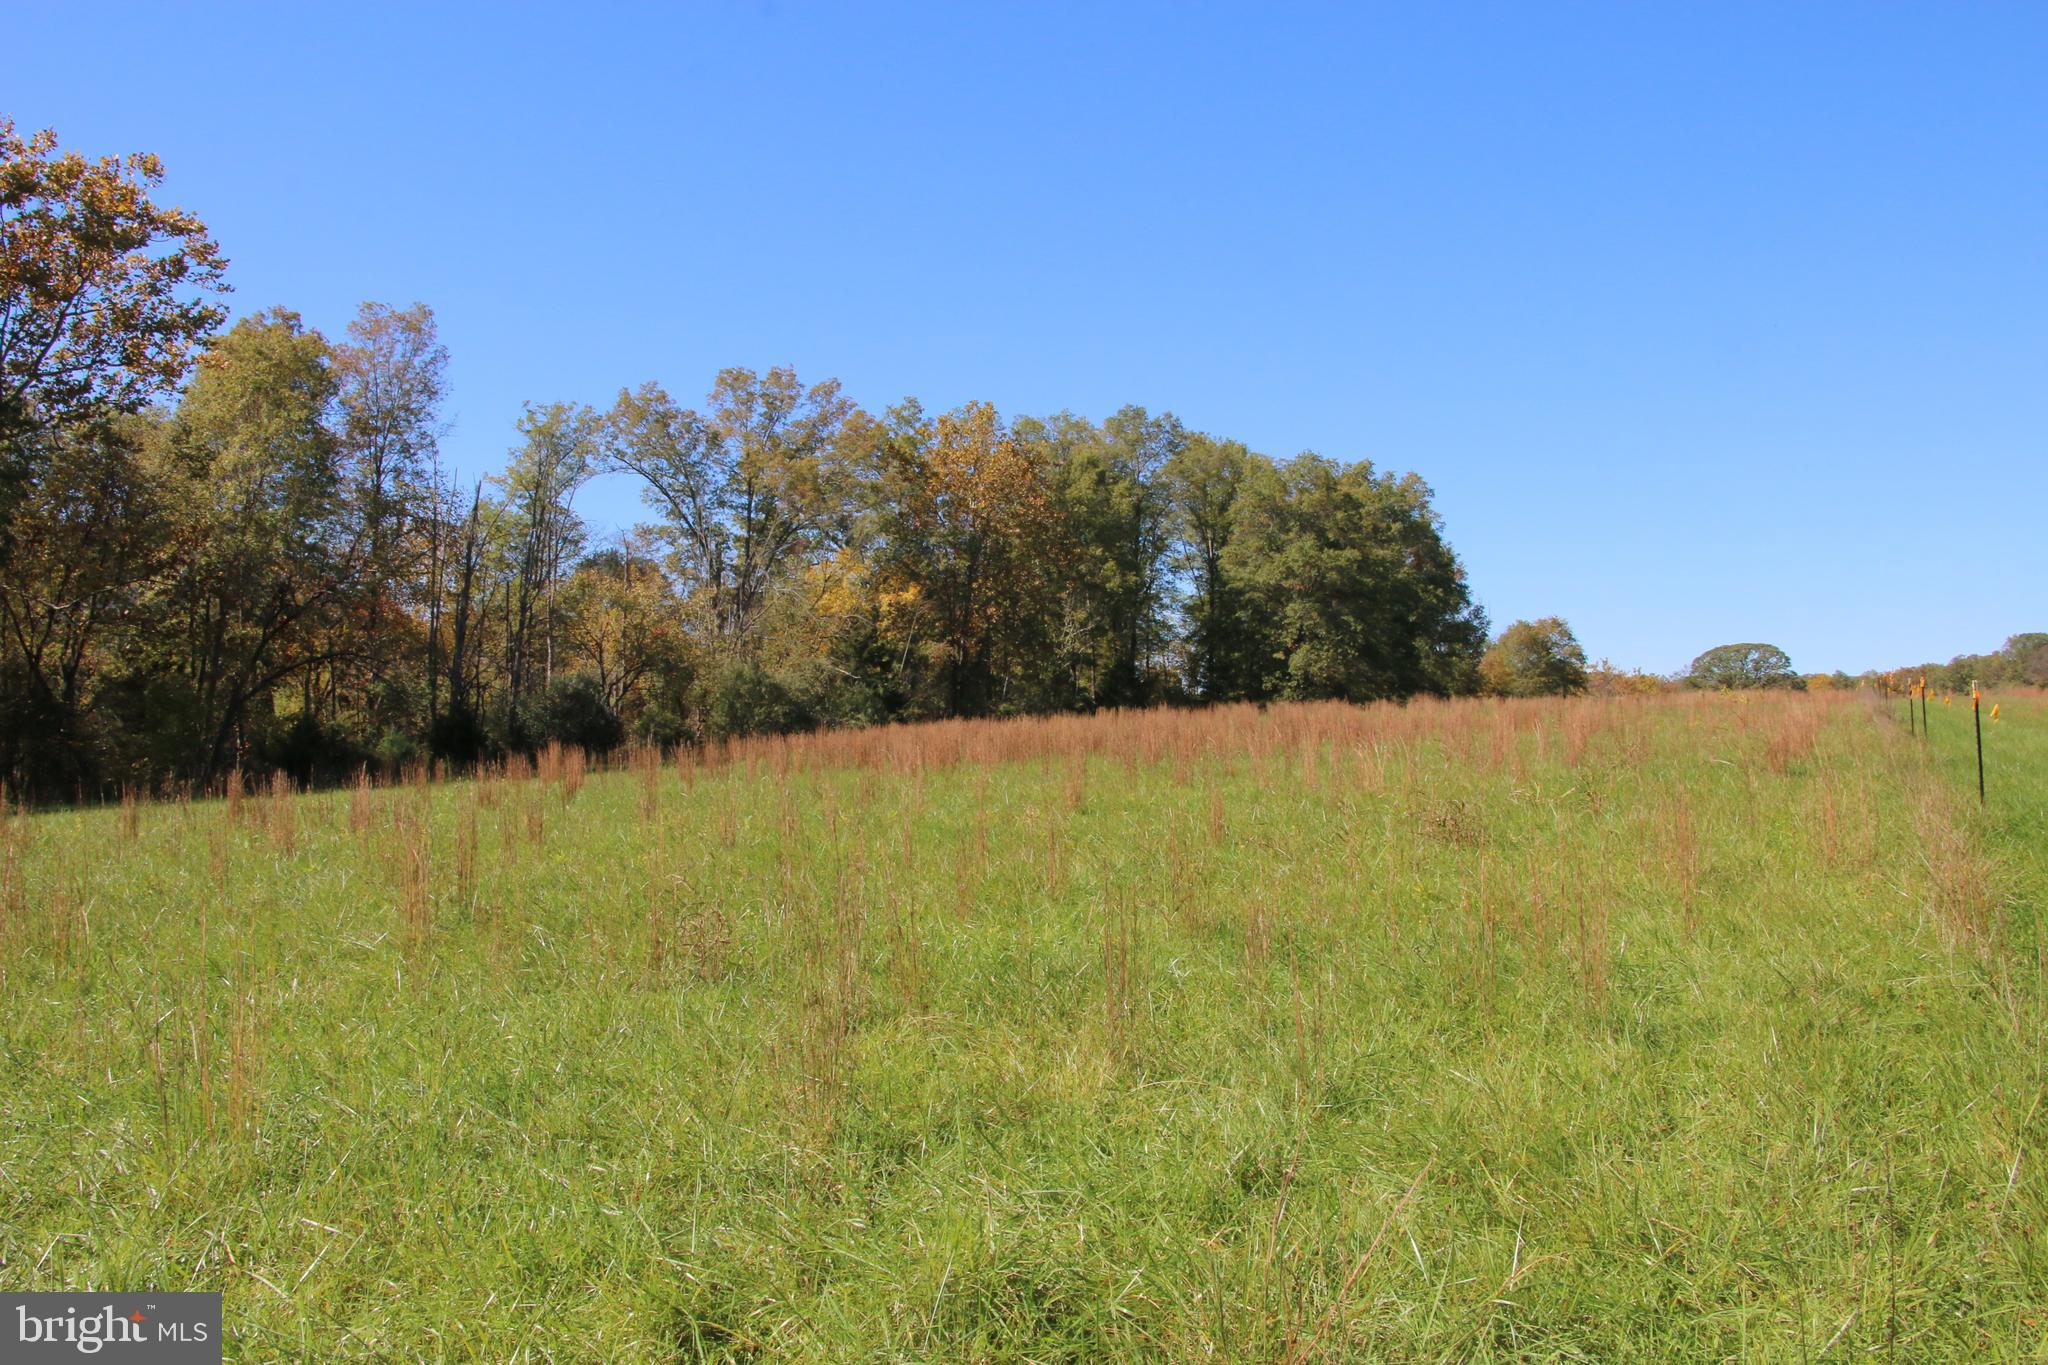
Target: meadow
[{"x": 1687, "y": 1027}]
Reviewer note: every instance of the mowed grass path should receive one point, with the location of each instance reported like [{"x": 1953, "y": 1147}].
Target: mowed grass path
[{"x": 1691, "y": 1028}]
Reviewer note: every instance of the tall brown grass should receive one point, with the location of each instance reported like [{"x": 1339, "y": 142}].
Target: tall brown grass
[
  {"x": 1682, "y": 860},
  {"x": 415, "y": 870},
  {"x": 13, "y": 879},
  {"x": 536, "y": 816},
  {"x": 360, "y": 809},
  {"x": 1119, "y": 989},
  {"x": 574, "y": 766},
  {"x": 280, "y": 814},
  {"x": 466, "y": 842},
  {"x": 646, "y": 764}
]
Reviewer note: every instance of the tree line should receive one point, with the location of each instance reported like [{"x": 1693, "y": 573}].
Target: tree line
[
  {"x": 2022, "y": 661},
  {"x": 239, "y": 547}
]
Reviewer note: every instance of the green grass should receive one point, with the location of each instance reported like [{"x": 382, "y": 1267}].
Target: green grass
[
  {"x": 2015, "y": 810},
  {"x": 1686, "y": 1028}
]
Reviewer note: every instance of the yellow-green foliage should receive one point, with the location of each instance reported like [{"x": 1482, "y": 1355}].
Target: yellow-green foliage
[{"x": 1682, "y": 1027}]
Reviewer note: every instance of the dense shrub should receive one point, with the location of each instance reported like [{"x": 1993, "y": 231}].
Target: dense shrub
[
  {"x": 458, "y": 737},
  {"x": 748, "y": 700},
  {"x": 575, "y": 712},
  {"x": 312, "y": 754}
]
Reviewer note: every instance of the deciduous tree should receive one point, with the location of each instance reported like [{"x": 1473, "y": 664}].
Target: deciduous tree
[
  {"x": 1728, "y": 667},
  {"x": 1349, "y": 589},
  {"x": 105, "y": 295},
  {"x": 748, "y": 491},
  {"x": 1539, "y": 658}
]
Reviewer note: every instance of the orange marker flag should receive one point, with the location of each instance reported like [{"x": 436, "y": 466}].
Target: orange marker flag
[{"x": 1994, "y": 711}]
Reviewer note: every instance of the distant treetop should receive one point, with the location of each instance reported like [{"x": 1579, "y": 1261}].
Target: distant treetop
[{"x": 1730, "y": 667}]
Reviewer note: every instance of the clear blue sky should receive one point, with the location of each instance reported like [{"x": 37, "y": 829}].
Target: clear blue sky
[{"x": 1706, "y": 322}]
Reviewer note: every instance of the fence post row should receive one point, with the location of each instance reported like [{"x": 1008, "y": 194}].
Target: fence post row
[{"x": 1921, "y": 728}]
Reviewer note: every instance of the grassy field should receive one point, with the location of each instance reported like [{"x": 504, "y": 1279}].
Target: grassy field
[{"x": 1682, "y": 1028}]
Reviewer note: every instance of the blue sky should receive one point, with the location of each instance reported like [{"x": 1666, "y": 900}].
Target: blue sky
[{"x": 1707, "y": 323}]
